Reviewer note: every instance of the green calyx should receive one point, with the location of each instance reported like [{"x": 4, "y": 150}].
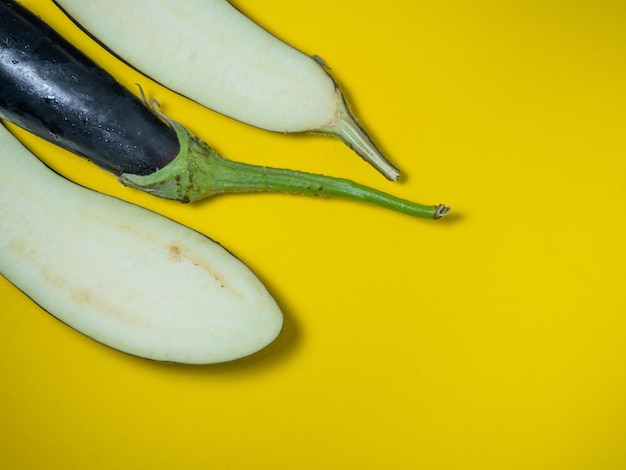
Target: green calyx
[{"x": 186, "y": 178}]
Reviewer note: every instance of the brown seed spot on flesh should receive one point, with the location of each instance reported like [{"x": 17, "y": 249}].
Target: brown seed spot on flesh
[
  {"x": 178, "y": 253},
  {"x": 17, "y": 246},
  {"x": 83, "y": 296},
  {"x": 175, "y": 254}
]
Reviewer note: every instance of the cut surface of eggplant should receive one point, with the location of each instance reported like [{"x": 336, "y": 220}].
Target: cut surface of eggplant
[{"x": 123, "y": 275}]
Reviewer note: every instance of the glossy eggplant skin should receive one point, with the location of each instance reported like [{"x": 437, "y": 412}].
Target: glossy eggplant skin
[{"x": 50, "y": 88}]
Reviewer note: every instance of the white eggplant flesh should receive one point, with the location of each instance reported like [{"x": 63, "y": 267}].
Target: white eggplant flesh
[
  {"x": 213, "y": 54},
  {"x": 123, "y": 275}
]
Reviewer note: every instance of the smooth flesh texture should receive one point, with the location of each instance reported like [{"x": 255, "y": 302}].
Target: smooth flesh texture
[
  {"x": 123, "y": 275},
  {"x": 240, "y": 62},
  {"x": 52, "y": 89},
  {"x": 215, "y": 55}
]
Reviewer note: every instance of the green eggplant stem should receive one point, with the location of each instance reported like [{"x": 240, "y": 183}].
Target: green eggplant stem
[
  {"x": 239, "y": 177},
  {"x": 198, "y": 172}
]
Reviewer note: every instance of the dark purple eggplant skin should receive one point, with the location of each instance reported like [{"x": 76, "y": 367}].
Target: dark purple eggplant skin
[{"x": 53, "y": 90}]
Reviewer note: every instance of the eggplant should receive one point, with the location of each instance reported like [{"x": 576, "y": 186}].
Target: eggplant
[{"x": 50, "y": 88}]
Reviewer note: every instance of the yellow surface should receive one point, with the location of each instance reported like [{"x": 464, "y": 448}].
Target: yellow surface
[{"x": 492, "y": 340}]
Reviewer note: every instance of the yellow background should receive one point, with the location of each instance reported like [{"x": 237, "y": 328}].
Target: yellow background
[{"x": 491, "y": 340}]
